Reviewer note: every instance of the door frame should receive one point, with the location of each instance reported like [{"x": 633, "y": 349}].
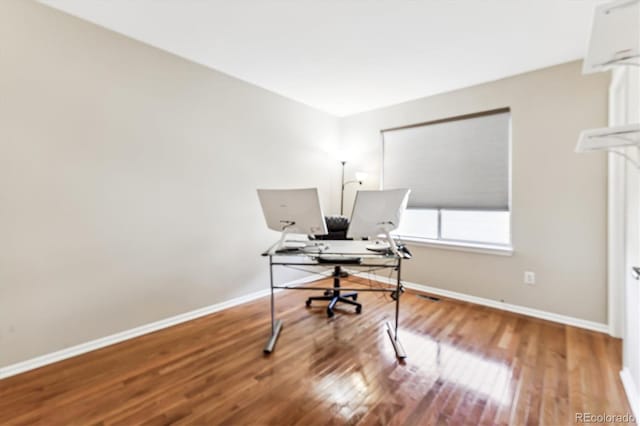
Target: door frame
[{"x": 616, "y": 211}]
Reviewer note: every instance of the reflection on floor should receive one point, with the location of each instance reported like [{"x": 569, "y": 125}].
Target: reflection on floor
[
  {"x": 466, "y": 364},
  {"x": 464, "y": 368}
]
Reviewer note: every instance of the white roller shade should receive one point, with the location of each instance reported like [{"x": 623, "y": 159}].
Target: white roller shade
[{"x": 459, "y": 163}]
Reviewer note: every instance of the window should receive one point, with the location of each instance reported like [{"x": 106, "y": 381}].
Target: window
[
  {"x": 456, "y": 226},
  {"x": 458, "y": 170}
]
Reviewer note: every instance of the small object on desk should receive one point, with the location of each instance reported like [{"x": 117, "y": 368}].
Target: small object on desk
[
  {"x": 316, "y": 248},
  {"x": 378, "y": 246},
  {"x": 339, "y": 259},
  {"x": 289, "y": 244},
  {"x": 289, "y": 250},
  {"x": 404, "y": 249}
]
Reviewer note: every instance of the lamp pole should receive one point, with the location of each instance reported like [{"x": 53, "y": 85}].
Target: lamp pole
[
  {"x": 342, "y": 189},
  {"x": 359, "y": 179}
]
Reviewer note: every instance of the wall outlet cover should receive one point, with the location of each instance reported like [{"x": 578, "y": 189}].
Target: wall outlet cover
[{"x": 529, "y": 277}]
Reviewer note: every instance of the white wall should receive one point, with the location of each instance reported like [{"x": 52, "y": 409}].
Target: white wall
[
  {"x": 127, "y": 181},
  {"x": 558, "y": 196}
]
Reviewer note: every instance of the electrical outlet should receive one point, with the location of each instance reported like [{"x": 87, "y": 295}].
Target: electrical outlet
[{"x": 529, "y": 277}]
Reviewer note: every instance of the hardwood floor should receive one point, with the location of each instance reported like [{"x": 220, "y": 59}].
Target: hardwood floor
[{"x": 466, "y": 364}]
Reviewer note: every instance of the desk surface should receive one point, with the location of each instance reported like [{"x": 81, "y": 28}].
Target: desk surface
[{"x": 346, "y": 248}]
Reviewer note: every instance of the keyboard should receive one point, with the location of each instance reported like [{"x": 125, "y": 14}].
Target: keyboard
[{"x": 345, "y": 260}]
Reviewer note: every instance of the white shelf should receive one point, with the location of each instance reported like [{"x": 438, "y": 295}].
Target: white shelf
[
  {"x": 608, "y": 138},
  {"x": 615, "y": 36}
]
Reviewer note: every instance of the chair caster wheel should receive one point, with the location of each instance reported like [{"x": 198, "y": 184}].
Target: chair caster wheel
[
  {"x": 358, "y": 309},
  {"x": 330, "y": 313},
  {"x": 328, "y": 292},
  {"x": 308, "y": 303},
  {"x": 354, "y": 297}
]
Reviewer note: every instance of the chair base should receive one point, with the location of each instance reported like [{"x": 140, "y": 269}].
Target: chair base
[{"x": 334, "y": 298}]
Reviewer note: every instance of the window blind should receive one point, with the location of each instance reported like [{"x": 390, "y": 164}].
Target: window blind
[{"x": 457, "y": 163}]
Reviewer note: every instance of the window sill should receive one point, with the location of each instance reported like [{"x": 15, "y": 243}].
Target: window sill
[{"x": 496, "y": 249}]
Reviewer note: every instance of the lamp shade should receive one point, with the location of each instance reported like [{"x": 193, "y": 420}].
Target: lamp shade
[{"x": 361, "y": 176}]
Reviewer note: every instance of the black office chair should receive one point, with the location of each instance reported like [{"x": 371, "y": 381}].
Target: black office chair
[{"x": 337, "y": 228}]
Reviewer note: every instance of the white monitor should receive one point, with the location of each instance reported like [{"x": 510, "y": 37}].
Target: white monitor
[
  {"x": 377, "y": 212},
  {"x": 293, "y": 211}
]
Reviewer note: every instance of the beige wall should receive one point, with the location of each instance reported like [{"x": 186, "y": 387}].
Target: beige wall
[
  {"x": 558, "y": 196},
  {"x": 127, "y": 181}
]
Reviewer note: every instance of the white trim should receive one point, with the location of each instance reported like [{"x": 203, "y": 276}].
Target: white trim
[
  {"x": 500, "y": 250},
  {"x": 536, "y": 313},
  {"x": 632, "y": 392},
  {"x": 616, "y": 244},
  {"x": 50, "y": 358},
  {"x": 616, "y": 216}
]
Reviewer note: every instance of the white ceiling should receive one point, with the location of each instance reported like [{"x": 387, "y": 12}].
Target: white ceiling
[{"x": 348, "y": 56}]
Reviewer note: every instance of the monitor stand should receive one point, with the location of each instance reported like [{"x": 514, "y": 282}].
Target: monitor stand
[
  {"x": 380, "y": 245},
  {"x": 283, "y": 244}
]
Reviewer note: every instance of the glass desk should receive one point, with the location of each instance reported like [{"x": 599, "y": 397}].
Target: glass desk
[{"x": 331, "y": 253}]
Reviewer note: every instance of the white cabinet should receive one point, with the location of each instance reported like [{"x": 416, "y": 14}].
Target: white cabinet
[{"x": 614, "y": 36}]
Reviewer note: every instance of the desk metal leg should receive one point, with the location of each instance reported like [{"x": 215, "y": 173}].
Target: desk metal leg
[
  {"x": 276, "y": 325},
  {"x": 393, "y": 330}
]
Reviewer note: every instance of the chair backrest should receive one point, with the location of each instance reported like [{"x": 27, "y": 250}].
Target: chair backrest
[{"x": 337, "y": 226}]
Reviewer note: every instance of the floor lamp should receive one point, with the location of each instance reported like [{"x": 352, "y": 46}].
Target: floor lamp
[{"x": 360, "y": 176}]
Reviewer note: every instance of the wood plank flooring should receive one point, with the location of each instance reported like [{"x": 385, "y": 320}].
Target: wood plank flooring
[{"x": 466, "y": 364}]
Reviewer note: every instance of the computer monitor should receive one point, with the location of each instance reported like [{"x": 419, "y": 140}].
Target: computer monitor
[
  {"x": 377, "y": 212},
  {"x": 293, "y": 211}
]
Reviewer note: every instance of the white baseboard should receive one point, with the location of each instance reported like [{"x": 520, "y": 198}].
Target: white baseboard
[
  {"x": 536, "y": 313},
  {"x": 50, "y": 358},
  {"x": 631, "y": 390}
]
